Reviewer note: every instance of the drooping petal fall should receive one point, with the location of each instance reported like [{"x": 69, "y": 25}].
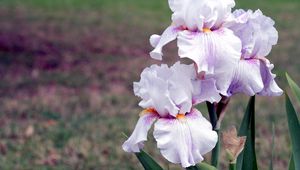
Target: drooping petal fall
[
  {"x": 247, "y": 78},
  {"x": 216, "y": 53},
  {"x": 158, "y": 42},
  {"x": 254, "y": 76},
  {"x": 270, "y": 86},
  {"x": 186, "y": 139},
  {"x": 136, "y": 141}
]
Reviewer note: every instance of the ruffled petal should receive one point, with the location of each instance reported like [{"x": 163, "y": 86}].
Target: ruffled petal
[
  {"x": 254, "y": 76},
  {"x": 154, "y": 90},
  {"x": 270, "y": 86},
  {"x": 198, "y": 14},
  {"x": 173, "y": 90},
  {"x": 237, "y": 18},
  {"x": 136, "y": 141},
  {"x": 256, "y": 31},
  {"x": 216, "y": 53},
  {"x": 176, "y": 5},
  {"x": 168, "y": 35},
  {"x": 185, "y": 140},
  {"x": 206, "y": 90},
  {"x": 247, "y": 78}
]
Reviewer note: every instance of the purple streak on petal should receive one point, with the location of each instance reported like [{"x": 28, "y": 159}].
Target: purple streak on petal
[{"x": 247, "y": 78}]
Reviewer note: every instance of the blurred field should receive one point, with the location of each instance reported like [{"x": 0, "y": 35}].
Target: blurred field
[{"x": 67, "y": 68}]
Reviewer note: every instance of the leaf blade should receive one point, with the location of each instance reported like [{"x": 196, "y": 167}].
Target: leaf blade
[
  {"x": 294, "y": 87},
  {"x": 202, "y": 166},
  {"x": 147, "y": 161},
  {"x": 292, "y": 163},
  {"x": 294, "y": 128},
  {"x": 205, "y": 166},
  {"x": 247, "y": 159}
]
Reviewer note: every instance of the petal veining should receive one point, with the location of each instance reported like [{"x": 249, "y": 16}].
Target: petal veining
[
  {"x": 185, "y": 140},
  {"x": 216, "y": 53}
]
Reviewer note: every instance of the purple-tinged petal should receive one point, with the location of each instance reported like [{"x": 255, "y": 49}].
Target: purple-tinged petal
[
  {"x": 198, "y": 14},
  {"x": 177, "y": 5},
  {"x": 256, "y": 31},
  {"x": 154, "y": 90},
  {"x": 167, "y": 36},
  {"x": 247, "y": 78},
  {"x": 254, "y": 76},
  {"x": 185, "y": 140},
  {"x": 270, "y": 86},
  {"x": 168, "y": 90},
  {"x": 206, "y": 90},
  {"x": 216, "y": 53},
  {"x": 181, "y": 86},
  {"x": 136, "y": 141},
  {"x": 237, "y": 18}
]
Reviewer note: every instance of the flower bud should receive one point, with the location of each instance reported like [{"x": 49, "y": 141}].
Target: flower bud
[{"x": 233, "y": 144}]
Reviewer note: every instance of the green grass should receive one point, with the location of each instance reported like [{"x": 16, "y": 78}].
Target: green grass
[{"x": 79, "y": 98}]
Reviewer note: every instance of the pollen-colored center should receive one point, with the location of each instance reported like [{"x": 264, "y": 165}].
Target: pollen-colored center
[
  {"x": 180, "y": 116},
  {"x": 148, "y": 110},
  {"x": 206, "y": 30}
]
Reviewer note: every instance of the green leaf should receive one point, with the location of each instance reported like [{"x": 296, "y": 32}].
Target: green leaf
[
  {"x": 292, "y": 163},
  {"x": 147, "y": 161},
  {"x": 202, "y": 166},
  {"x": 294, "y": 129},
  {"x": 205, "y": 166},
  {"x": 273, "y": 145},
  {"x": 295, "y": 88},
  {"x": 232, "y": 166},
  {"x": 247, "y": 159}
]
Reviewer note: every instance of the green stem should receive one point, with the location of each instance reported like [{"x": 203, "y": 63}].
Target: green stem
[
  {"x": 216, "y": 152},
  {"x": 212, "y": 114},
  {"x": 214, "y": 119},
  {"x": 232, "y": 166}
]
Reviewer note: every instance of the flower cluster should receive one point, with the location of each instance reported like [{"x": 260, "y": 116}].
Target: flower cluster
[{"x": 228, "y": 50}]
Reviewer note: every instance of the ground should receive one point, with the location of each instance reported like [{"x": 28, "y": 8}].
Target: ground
[{"x": 67, "y": 68}]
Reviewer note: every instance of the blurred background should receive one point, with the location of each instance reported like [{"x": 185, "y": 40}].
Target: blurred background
[{"x": 66, "y": 73}]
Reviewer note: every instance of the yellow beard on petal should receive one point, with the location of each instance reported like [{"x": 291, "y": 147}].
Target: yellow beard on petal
[
  {"x": 180, "y": 116},
  {"x": 147, "y": 111},
  {"x": 206, "y": 30},
  {"x": 153, "y": 111}
]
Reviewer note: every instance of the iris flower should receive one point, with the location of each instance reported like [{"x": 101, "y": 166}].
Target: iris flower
[
  {"x": 168, "y": 94},
  {"x": 253, "y": 74},
  {"x": 202, "y": 36}
]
